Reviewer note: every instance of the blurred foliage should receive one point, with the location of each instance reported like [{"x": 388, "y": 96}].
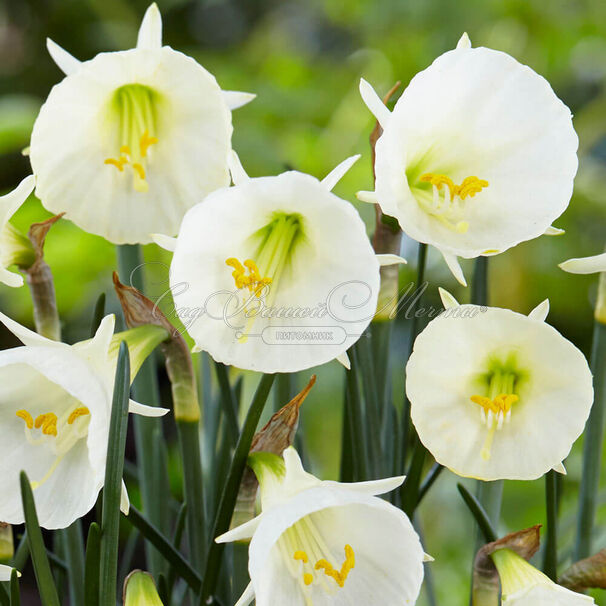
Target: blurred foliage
[{"x": 304, "y": 59}]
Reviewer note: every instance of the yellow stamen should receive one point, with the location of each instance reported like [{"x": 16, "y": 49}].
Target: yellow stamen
[
  {"x": 339, "y": 576},
  {"x": 145, "y": 142},
  {"x": 48, "y": 423},
  {"x": 502, "y": 403},
  {"x": 308, "y": 578},
  {"x": 119, "y": 164},
  {"x": 138, "y": 168},
  {"x": 23, "y": 414},
  {"x": 253, "y": 281},
  {"x": 125, "y": 149},
  {"x": 301, "y": 556},
  {"x": 468, "y": 188},
  {"x": 78, "y": 412}
]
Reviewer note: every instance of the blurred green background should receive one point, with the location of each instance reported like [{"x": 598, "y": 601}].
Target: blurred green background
[{"x": 304, "y": 60}]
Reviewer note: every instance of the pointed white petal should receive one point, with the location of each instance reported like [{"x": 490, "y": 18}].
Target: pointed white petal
[
  {"x": 236, "y": 99},
  {"x": 554, "y": 231},
  {"x": 344, "y": 359},
  {"x": 560, "y": 469},
  {"x": 11, "y": 202},
  {"x": 540, "y": 312},
  {"x": 428, "y": 558},
  {"x": 66, "y": 62},
  {"x": 247, "y": 597},
  {"x": 372, "y": 487},
  {"x": 144, "y": 410},
  {"x": 455, "y": 267},
  {"x": 464, "y": 41},
  {"x": 238, "y": 174},
  {"x": 240, "y": 533},
  {"x": 5, "y": 573},
  {"x": 374, "y": 103},
  {"x": 150, "y": 32},
  {"x": 124, "y": 500},
  {"x": 104, "y": 334},
  {"x": 165, "y": 242},
  {"x": 448, "y": 299},
  {"x": 337, "y": 173},
  {"x": 25, "y": 335},
  {"x": 389, "y": 259},
  {"x": 196, "y": 349},
  {"x": 367, "y": 196},
  {"x": 10, "y": 278},
  {"x": 585, "y": 265}
]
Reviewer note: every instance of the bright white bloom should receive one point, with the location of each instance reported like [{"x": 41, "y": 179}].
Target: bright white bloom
[
  {"x": 477, "y": 156},
  {"x": 275, "y": 274},
  {"x": 585, "y": 265},
  {"x": 323, "y": 543},
  {"x": 55, "y": 406},
  {"x": 523, "y": 585},
  {"x": 130, "y": 140},
  {"x": 5, "y": 573},
  {"x": 496, "y": 394},
  {"x": 9, "y": 204}
]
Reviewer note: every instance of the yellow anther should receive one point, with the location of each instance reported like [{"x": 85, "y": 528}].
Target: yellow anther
[
  {"x": 119, "y": 164},
  {"x": 48, "y": 423},
  {"x": 340, "y": 576},
  {"x": 468, "y": 188},
  {"x": 301, "y": 556},
  {"x": 125, "y": 149},
  {"x": 145, "y": 142},
  {"x": 77, "y": 413},
  {"x": 253, "y": 281},
  {"x": 23, "y": 414},
  {"x": 502, "y": 403},
  {"x": 138, "y": 168},
  {"x": 308, "y": 578}
]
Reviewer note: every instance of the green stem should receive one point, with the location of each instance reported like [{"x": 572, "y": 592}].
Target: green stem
[
  {"x": 550, "y": 555},
  {"x": 74, "y": 556},
  {"x": 232, "y": 485},
  {"x": 592, "y": 448},
  {"x": 46, "y": 317},
  {"x": 151, "y": 459},
  {"x": 354, "y": 412}
]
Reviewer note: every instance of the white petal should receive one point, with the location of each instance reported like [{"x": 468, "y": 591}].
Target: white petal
[
  {"x": 374, "y": 103},
  {"x": 585, "y": 265},
  {"x": 540, "y": 312},
  {"x": 150, "y": 32},
  {"x": 547, "y": 594},
  {"x": 428, "y": 558},
  {"x": 337, "y": 173},
  {"x": 196, "y": 349},
  {"x": 144, "y": 410},
  {"x": 372, "y": 487},
  {"x": 238, "y": 174},
  {"x": 455, "y": 267},
  {"x": 448, "y": 299},
  {"x": 247, "y": 597},
  {"x": 103, "y": 336},
  {"x": 5, "y": 573},
  {"x": 560, "y": 469},
  {"x": 344, "y": 360},
  {"x": 369, "y": 197},
  {"x": 235, "y": 99},
  {"x": 11, "y": 202},
  {"x": 25, "y": 335},
  {"x": 166, "y": 242},
  {"x": 124, "y": 500},
  {"x": 65, "y": 61},
  {"x": 390, "y": 259},
  {"x": 554, "y": 231},
  {"x": 240, "y": 533},
  {"x": 464, "y": 41},
  {"x": 10, "y": 278}
]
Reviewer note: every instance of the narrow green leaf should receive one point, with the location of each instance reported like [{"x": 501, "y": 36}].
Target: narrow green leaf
[
  {"x": 177, "y": 538},
  {"x": 410, "y": 489},
  {"x": 550, "y": 554},
  {"x": 592, "y": 447},
  {"x": 74, "y": 555},
  {"x": 110, "y": 524},
  {"x": 428, "y": 482},
  {"x": 4, "y": 597},
  {"x": 92, "y": 565},
  {"x": 21, "y": 553},
  {"x": 228, "y": 401},
  {"x": 98, "y": 314},
  {"x": 355, "y": 414},
  {"x": 165, "y": 548},
  {"x": 232, "y": 485},
  {"x": 14, "y": 589},
  {"x": 479, "y": 514},
  {"x": 44, "y": 577}
]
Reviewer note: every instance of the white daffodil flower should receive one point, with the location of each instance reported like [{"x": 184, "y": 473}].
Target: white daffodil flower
[
  {"x": 9, "y": 204},
  {"x": 585, "y": 265},
  {"x": 275, "y": 274},
  {"x": 55, "y": 406},
  {"x": 496, "y": 394},
  {"x": 320, "y": 543},
  {"x": 477, "y": 156},
  {"x": 523, "y": 585},
  {"x": 130, "y": 140}
]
